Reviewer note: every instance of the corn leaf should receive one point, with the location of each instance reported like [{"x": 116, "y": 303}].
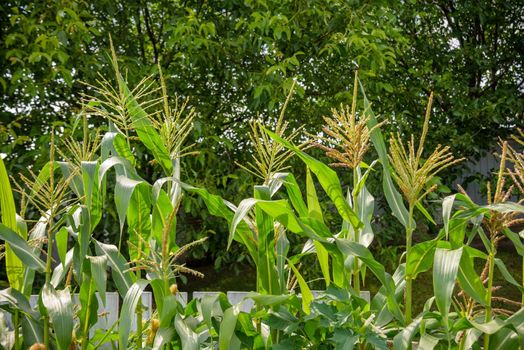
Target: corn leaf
[
  {"x": 163, "y": 336},
  {"x": 328, "y": 180},
  {"x": 219, "y": 207},
  {"x": 447, "y": 206},
  {"x": 131, "y": 300},
  {"x": 32, "y": 329},
  {"x": 121, "y": 276},
  {"x": 313, "y": 205},
  {"x": 509, "y": 337},
  {"x": 93, "y": 195},
  {"x": 445, "y": 269},
  {"x": 349, "y": 248},
  {"x": 420, "y": 258},
  {"x": 393, "y": 197},
  {"x": 124, "y": 189},
  {"x": 267, "y": 274},
  {"x": 13, "y": 264},
  {"x": 241, "y": 212},
  {"x": 145, "y": 130},
  {"x": 307, "y": 295},
  {"x": 60, "y": 310},
  {"x": 469, "y": 279},
  {"x": 122, "y": 167},
  {"x": 22, "y": 250},
  {"x": 227, "y": 328},
  {"x": 187, "y": 336},
  {"x": 61, "y": 238},
  {"x": 294, "y": 194},
  {"x": 323, "y": 260},
  {"x": 507, "y": 275},
  {"x": 139, "y": 220},
  {"x": 99, "y": 274},
  {"x": 402, "y": 341},
  {"x": 60, "y": 271},
  {"x": 122, "y": 148}
]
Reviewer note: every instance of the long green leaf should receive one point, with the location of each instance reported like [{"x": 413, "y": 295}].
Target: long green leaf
[
  {"x": 242, "y": 211},
  {"x": 323, "y": 260},
  {"x": 122, "y": 167},
  {"x": 447, "y": 206},
  {"x": 32, "y": 329},
  {"x": 363, "y": 178},
  {"x": 402, "y": 341},
  {"x": 82, "y": 225},
  {"x": 428, "y": 342},
  {"x": 511, "y": 336},
  {"x": 294, "y": 194},
  {"x": 445, "y": 269},
  {"x": 163, "y": 336},
  {"x": 307, "y": 295},
  {"x": 420, "y": 258},
  {"x": 469, "y": 279},
  {"x": 349, "y": 248},
  {"x": 187, "y": 336},
  {"x": 13, "y": 264},
  {"x": 393, "y": 197},
  {"x": 99, "y": 274},
  {"x": 313, "y": 204},
  {"x": 507, "y": 275},
  {"x": 60, "y": 271},
  {"x": 227, "y": 327},
  {"x": 122, "y": 148},
  {"x": 93, "y": 195},
  {"x": 60, "y": 310},
  {"x": 22, "y": 250},
  {"x": 366, "y": 208},
  {"x": 267, "y": 274},
  {"x": 281, "y": 211},
  {"x": 131, "y": 300},
  {"x": 61, "y": 239},
  {"x": 328, "y": 180},
  {"x": 219, "y": 207},
  {"x": 122, "y": 277},
  {"x": 145, "y": 130},
  {"x": 124, "y": 189},
  {"x": 515, "y": 239},
  {"x": 139, "y": 221}
]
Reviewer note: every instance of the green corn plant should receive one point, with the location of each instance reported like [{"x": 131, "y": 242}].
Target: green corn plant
[
  {"x": 473, "y": 303},
  {"x": 331, "y": 184},
  {"x": 499, "y": 216},
  {"x": 82, "y": 159},
  {"x": 269, "y": 243},
  {"x": 305, "y": 222},
  {"x": 453, "y": 263},
  {"x": 412, "y": 174},
  {"x": 352, "y": 136},
  {"x": 120, "y": 106},
  {"x": 149, "y": 210}
]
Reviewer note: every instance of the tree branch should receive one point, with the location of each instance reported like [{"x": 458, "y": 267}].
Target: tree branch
[{"x": 147, "y": 20}]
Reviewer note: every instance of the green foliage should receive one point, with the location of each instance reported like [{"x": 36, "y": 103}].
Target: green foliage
[
  {"x": 238, "y": 59},
  {"x": 66, "y": 202}
]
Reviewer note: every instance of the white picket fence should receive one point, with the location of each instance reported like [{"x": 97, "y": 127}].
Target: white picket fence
[{"x": 108, "y": 313}]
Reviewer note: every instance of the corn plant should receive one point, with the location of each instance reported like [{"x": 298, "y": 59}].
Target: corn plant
[
  {"x": 353, "y": 137},
  {"x": 412, "y": 175}
]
